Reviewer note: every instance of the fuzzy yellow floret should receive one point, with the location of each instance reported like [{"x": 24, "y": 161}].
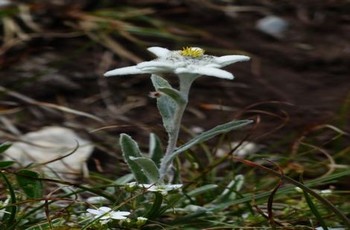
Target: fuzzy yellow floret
[{"x": 192, "y": 52}]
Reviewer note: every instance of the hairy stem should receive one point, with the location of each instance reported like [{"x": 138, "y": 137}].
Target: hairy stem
[{"x": 173, "y": 135}]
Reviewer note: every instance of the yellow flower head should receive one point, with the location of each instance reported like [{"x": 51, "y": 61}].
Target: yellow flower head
[{"x": 193, "y": 52}]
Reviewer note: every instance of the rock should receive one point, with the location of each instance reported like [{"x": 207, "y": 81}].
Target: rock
[
  {"x": 273, "y": 26},
  {"x": 45, "y": 148},
  {"x": 4, "y": 3}
]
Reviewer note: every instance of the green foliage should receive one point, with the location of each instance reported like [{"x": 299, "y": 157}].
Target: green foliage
[
  {"x": 145, "y": 170},
  {"x": 314, "y": 210},
  {"x": 5, "y": 164},
  {"x": 231, "y": 190},
  {"x": 219, "y": 201},
  {"x": 30, "y": 183},
  {"x": 4, "y": 147}
]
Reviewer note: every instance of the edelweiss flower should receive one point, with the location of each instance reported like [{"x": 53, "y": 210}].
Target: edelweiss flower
[
  {"x": 189, "y": 61},
  {"x": 105, "y": 214}
]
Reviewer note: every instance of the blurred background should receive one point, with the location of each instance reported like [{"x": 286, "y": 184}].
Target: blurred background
[{"x": 53, "y": 55}]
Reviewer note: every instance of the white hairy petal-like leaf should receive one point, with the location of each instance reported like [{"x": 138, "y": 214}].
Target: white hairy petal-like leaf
[
  {"x": 230, "y": 59},
  {"x": 188, "y": 61},
  {"x": 159, "y": 51},
  {"x": 208, "y": 71},
  {"x": 157, "y": 66},
  {"x": 124, "y": 71}
]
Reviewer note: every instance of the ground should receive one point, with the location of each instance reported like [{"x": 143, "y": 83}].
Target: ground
[{"x": 292, "y": 86}]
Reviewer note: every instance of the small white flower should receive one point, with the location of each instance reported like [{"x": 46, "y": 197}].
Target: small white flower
[
  {"x": 105, "y": 214},
  {"x": 189, "y": 61},
  {"x": 163, "y": 189}
]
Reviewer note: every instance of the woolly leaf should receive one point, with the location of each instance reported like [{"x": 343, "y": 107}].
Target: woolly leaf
[
  {"x": 224, "y": 128},
  {"x": 148, "y": 168},
  {"x": 166, "y": 105},
  {"x": 173, "y": 94},
  {"x": 155, "y": 149},
  {"x": 131, "y": 149}
]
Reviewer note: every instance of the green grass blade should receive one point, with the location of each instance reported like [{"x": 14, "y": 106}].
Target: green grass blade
[
  {"x": 314, "y": 210},
  {"x": 156, "y": 207},
  {"x": 9, "y": 217}
]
